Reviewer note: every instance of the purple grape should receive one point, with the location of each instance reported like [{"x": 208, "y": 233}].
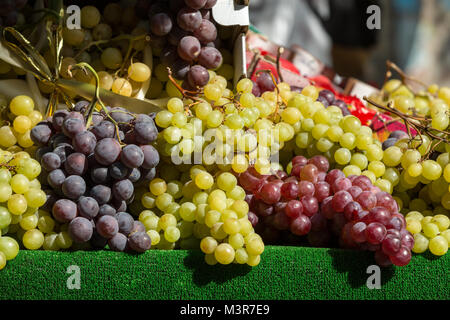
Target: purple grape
[
  {"x": 126, "y": 222},
  {"x": 118, "y": 243},
  {"x": 107, "y": 151},
  {"x": 189, "y": 19},
  {"x": 80, "y": 230},
  {"x": 63, "y": 151},
  {"x": 118, "y": 171},
  {"x": 139, "y": 241},
  {"x": 206, "y": 32},
  {"x": 151, "y": 157},
  {"x": 209, "y": 4},
  {"x": 195, "y": 4},
  {"x": 107, "y": 226},
  {"x": 76, "y": 164},
  {"x": 73, "y": 187},
  {"x": 88, "y": 207},
  {"x": 58, "y": 119},
  {"x": 198, "y": 76},
  {"x": 40, "y": 134},
  {"x": 106, "y": 210},
  {"x": 101, "y": 193},
  {"x": 104, "y": 129},
  {"x": 189, "y": 48},
  {"x": 160, "y": 24},
  {"x": 181, "y": 69},
  {"x": 84, "y": 142},
  {"x": 56, "y": 178},
  {"x": 64, "y": 210},
  {"x": 100, "y": 175},
  {"x": 72, "y": 126},
  {"x": 123, "y": 190},
  {"x": 50, "y": 161}
]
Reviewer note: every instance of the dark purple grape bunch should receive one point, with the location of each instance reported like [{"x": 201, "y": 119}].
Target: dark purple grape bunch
[
  {"x": 92, "y": 175},
  {"x": 327, "y": 98},
  {"x": 329, "y": 208},
  {"x": 186, "y": 36},
  {"x": 9, "y": 12}
]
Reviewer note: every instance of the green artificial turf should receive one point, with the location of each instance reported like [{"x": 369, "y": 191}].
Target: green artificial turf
[{"x": 284, "y": 273}]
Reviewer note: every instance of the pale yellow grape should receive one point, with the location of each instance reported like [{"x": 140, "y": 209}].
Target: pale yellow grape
[
  {"x": 351, "y": 170},
  {"x": 46, "y": 224},
  {"x": 226, "y": 181},
  {"x": 151, "y": 223},
  {"x": 172, "y": 234},
  {"x": 187, "y": 211},
  {"x": 438, "y": 245},
  {"x": 430, "y": 229},
  {"x": 431, "y": 170},
  {"x": 204, "y": 180},
  {"x": 33, "y": 239},
  {"x": 63, "y": 240},
  {"x": 420, "y": 243},
  {"x": 50, "y": 243},
  {"x": 122, "y": 86},
  {"x": 224, "y": 253},
  {"x": 29, "y": 221},
  {"x": 154, "y": 236},
  {"x": 2, "y": 260},
  {"x": 210, "y": 259},
  {"x": 413, "y": 226},
  {"x": 90, "y": 17},
  {"x": 342, "y": 156},
  {"x": 442, "y": 221},
  {"x": 148, "y": 200},
  {"x": 17, "y": 204},
  {"x": 212, "y": 92},
  {"x": 139, "y": 72},
  {"x": 105, "y": 79},
  {"x": 167, "y": 220},
  {"x": 21, "y": 105},
  {"x": 22, "y": 124},
  {"x": 158, "y": 186},
  {"x": 244, "y": 85},
  {"x": 415, "y": 170},
  {"x": 241, "y": 256},
  {"x": 112, "y": 58},
  {"x": 35, "y": 198},
  {"x": 9, "y": 247},
  {"x": 253, "y": 261},
  {"x": 415, "y": 215},
  {"x": 239, "y": 163},
  {"x": 246, "y": 226},
  {"x": 208, "y": 245},
  {"x": 5, "y": 191},
  {"x": 238, "y": 193},
  {"x": 446, "y": 235}
]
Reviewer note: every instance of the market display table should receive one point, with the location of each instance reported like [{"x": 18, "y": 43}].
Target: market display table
[{"x": 284, "y": 273}]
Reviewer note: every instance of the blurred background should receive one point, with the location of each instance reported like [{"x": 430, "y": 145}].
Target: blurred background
[{"x": 414, "y": 34}]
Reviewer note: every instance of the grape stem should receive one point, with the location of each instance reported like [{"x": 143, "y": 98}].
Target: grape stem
[
  {"x": 279, "y": 53},
  {"x": 421, "y": 126},
  {"x": 186, "y": 93},
  {"x": 90, "y": 111},
  {"x": 254, "y": 63},
  {"x": 277, "y": 90}
]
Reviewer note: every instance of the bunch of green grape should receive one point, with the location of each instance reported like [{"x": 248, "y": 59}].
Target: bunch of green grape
[
  {"x": 232, "y": 131},
  {"x": 199, "y": 208},
  {"x": 20, "y": 199},
  {"x": 430, "y": 232},
  {"x": 18, "y": 118}
]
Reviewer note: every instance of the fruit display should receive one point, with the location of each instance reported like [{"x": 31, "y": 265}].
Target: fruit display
[{"x": 224, "y": 165}]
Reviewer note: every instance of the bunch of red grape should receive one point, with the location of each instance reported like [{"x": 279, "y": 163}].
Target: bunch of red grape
[
  {"x": 92, "y": 173},
  {"x": 327, "y": 206},
  {"x": 186, "y": 36}
]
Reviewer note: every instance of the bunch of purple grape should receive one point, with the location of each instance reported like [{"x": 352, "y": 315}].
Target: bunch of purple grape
[
  {"x": 186, "y": 36},
  {"x": 327, "y": 207},
  {"x": 9, "y": 11},
  {"x": 91, "y": 175}
]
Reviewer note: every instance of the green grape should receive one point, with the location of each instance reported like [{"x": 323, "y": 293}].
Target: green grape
[
  {"x": 17, "y": 204},
  {"x": 392, "y": 156},
  {"x": 2, "y": 260},
  {"x": 420, "y": 243},
  {"x": 35, "y": 198},
  {"x": 188, "y": 211},
  {"x": 438, "y": 245},
  {"x": 351, "y": 170},
  {"x": 342, "y": 156},
  {"x": 5, "y": 218},
  {"x": 164, "y": 118},
  {"x": 9, "y": 247},
  {"x": 111, "y": 58},
  {"x": 348, "y": 141},
  {"x": 377, "y": 167},
  {"x": 150, "y": 223},
  {"x": 163, "y": 201},
  {"x": 172, "y": 234},
  {"x": 359, "y": 160},
  {"x": 224, "y": 253},
  {"x": 431, "y": 170},
  {"x": 392, "y": 175},
  {"x": 33, "y": 239},
  {"x": 5, "y": 191},
  {"x": 430, "y": 229}
]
